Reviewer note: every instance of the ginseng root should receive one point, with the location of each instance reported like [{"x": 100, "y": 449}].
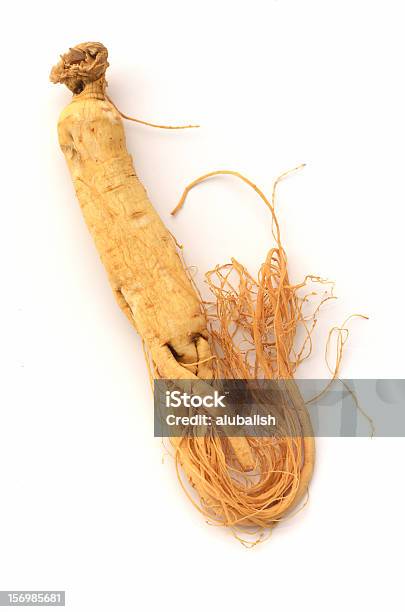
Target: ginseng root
[{"x": 243, "y": 483}]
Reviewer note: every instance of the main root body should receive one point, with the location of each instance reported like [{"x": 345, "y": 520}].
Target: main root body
[{"x": 248, "y": 331}]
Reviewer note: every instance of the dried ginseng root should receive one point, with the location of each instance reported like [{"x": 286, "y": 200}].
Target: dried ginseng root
[{"x": 244, "y": 483}]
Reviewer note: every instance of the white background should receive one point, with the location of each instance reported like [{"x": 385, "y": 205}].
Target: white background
[{"x": 86, "y": 504}]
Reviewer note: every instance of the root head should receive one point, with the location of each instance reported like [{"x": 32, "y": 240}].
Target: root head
[{"x": 82, "y": 64}]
